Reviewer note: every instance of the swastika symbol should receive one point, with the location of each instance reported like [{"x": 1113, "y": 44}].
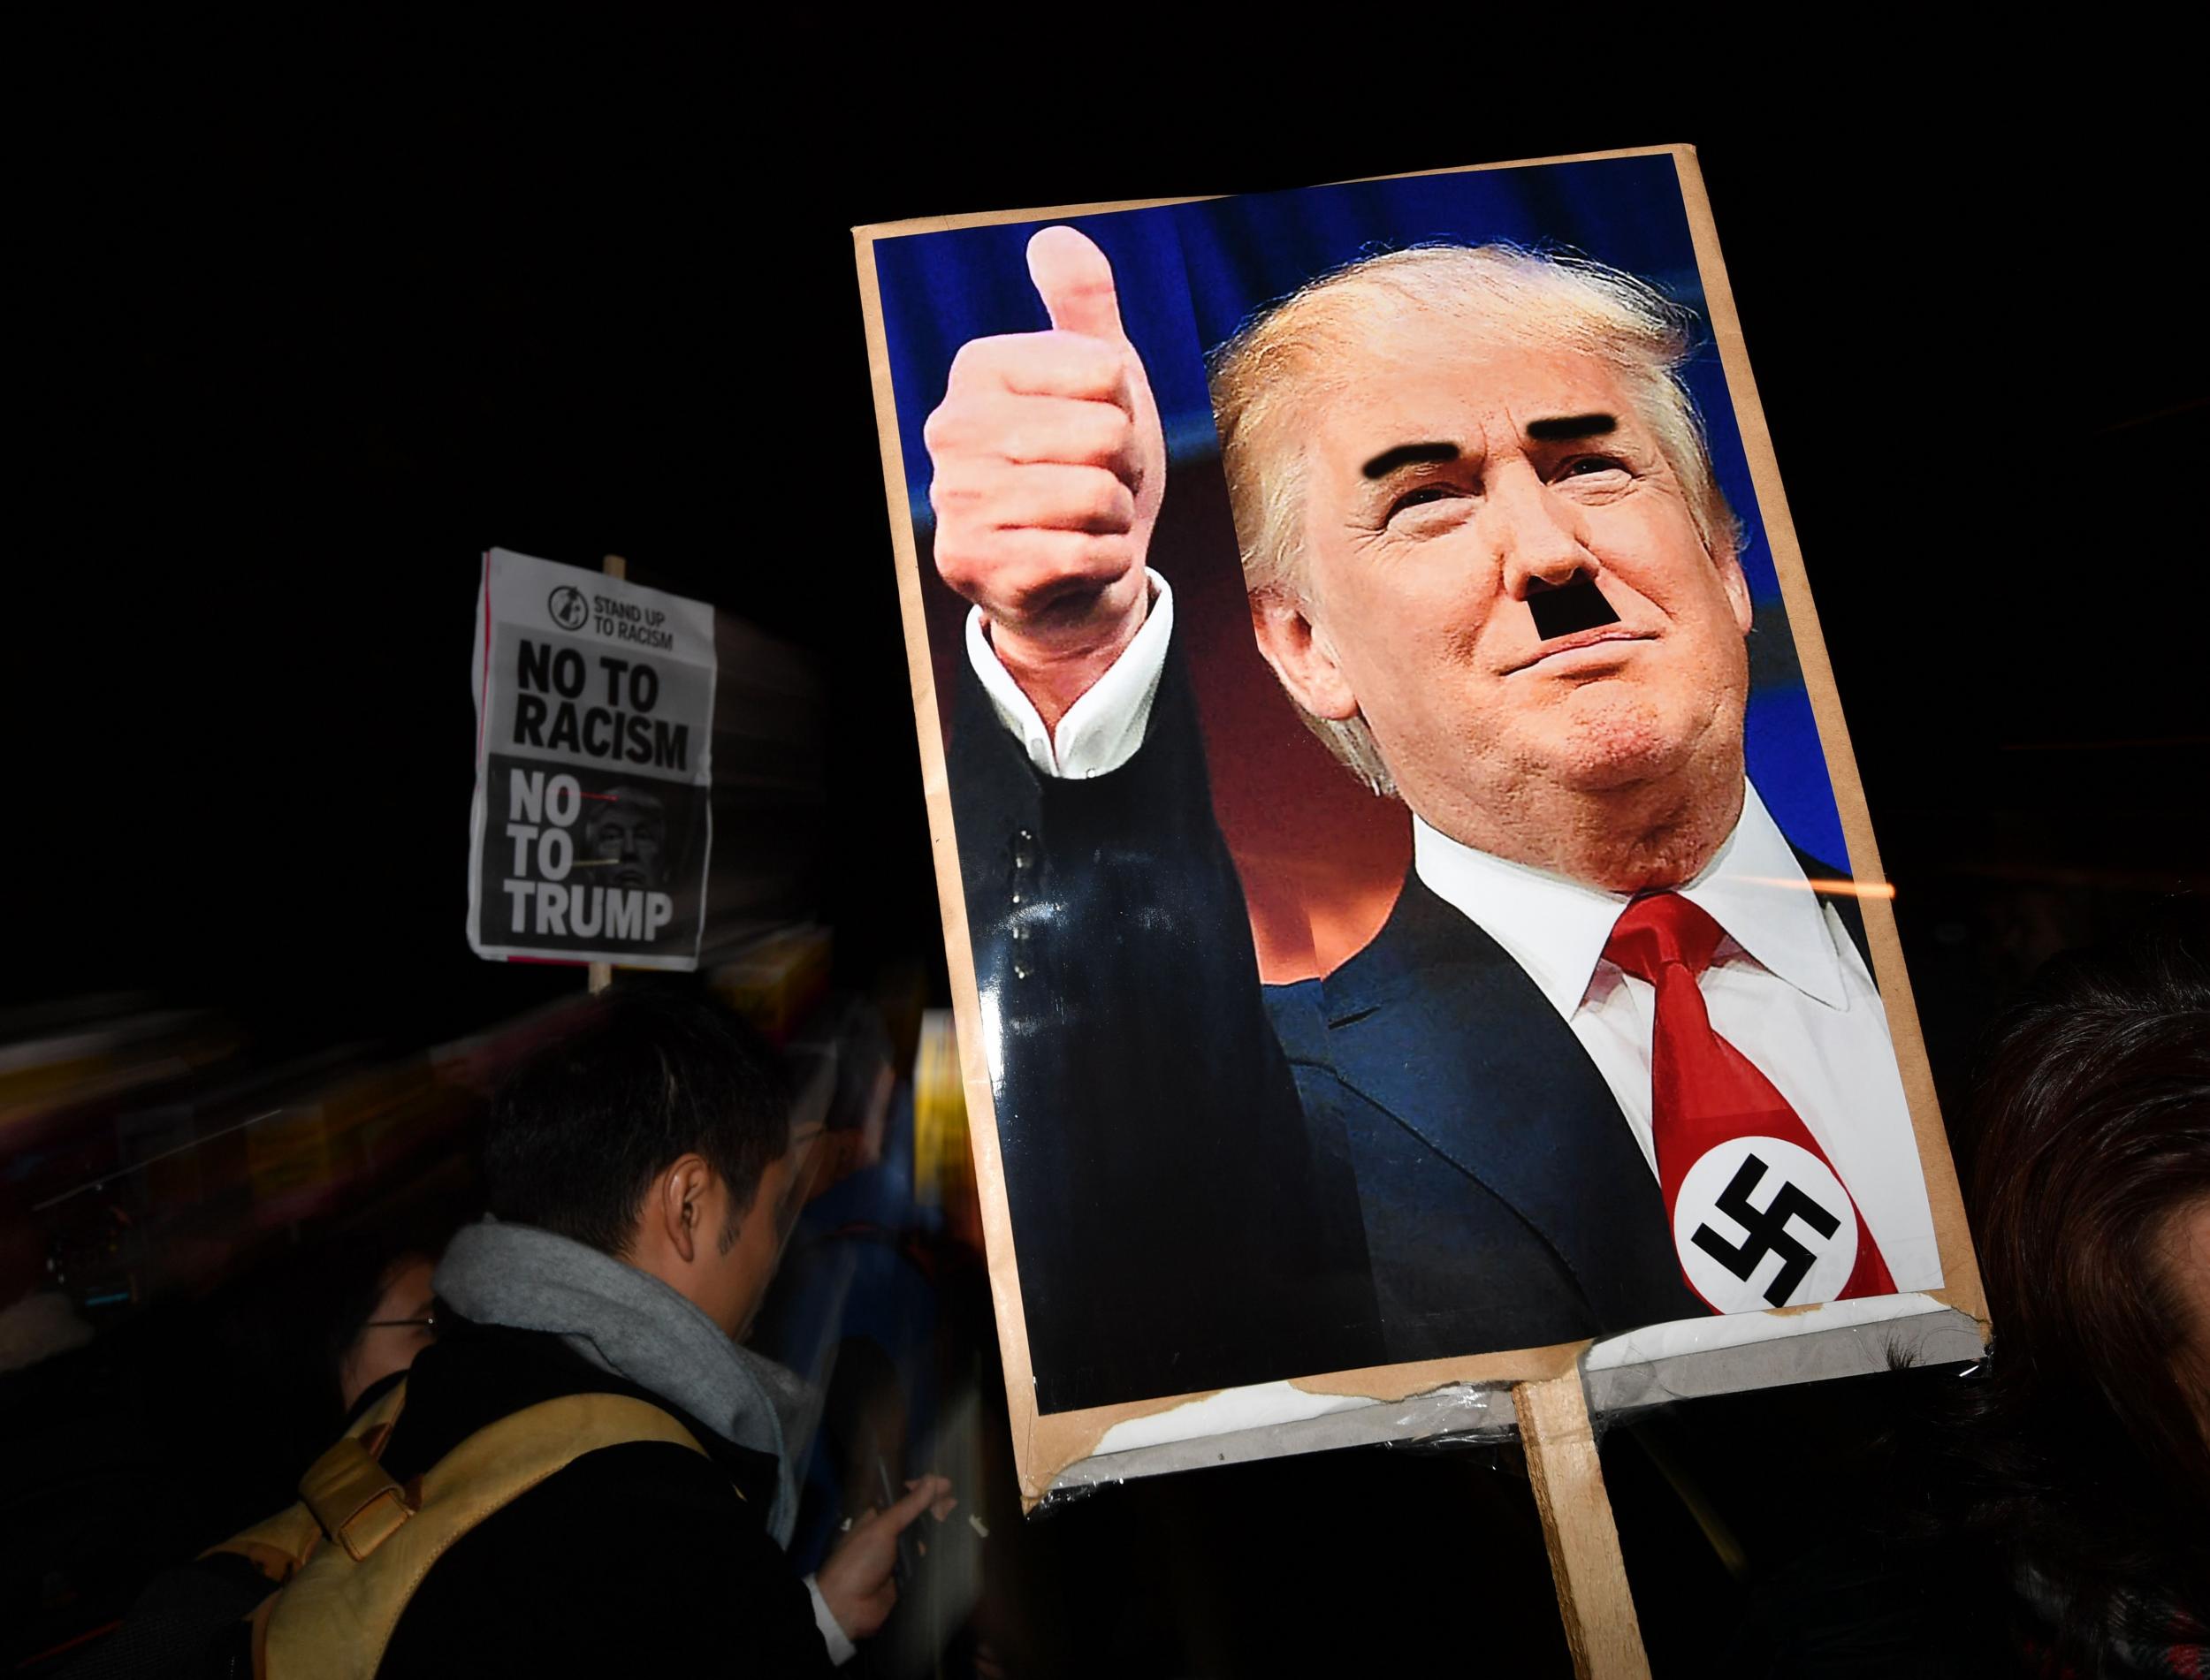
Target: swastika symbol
[{"x": 1768, "y": 1231}]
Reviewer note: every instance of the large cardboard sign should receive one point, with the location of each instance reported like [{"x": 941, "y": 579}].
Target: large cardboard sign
[
  {"x": 592, "y": 822},
  {"x": 1411, "y": 906}
]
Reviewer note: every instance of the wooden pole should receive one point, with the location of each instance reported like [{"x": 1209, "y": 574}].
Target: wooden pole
[
  {"x": 602, "y": 973},
  {"x": 1585, "y": 1565}
]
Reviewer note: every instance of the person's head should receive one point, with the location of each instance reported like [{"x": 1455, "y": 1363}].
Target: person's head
[
  {"x": 384, "y": 1321},
  {"x": 628, "y": 830},
  {"x": 659, "y": 1133},
  {"x": 1414, "y": 445},
  {"x": 2093, "y": 1204}
]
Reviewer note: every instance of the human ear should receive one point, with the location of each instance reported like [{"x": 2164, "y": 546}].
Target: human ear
[
  {"x": 1301, "y": 654},
  {"x": 1737, "y": 588},
  {"x": 679, "y": 1201}
]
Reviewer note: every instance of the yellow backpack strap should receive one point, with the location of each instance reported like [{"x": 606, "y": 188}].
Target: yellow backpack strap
[
  {"x": 336, "y": 1614},
  {"x": 279, "y": 1546},
  {"x": 355, "y": 1499}
]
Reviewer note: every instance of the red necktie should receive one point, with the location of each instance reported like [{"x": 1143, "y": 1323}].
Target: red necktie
[{"x": 1743, "y": 1176}]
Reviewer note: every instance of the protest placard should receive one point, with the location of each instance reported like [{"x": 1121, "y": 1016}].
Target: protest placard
[
  {"x": 1363, "y": 664},
  {"x": 592, "y": 821}
]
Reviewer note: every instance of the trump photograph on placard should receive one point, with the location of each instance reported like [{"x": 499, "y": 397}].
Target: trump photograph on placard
[{"x": 1410, "y": 911}]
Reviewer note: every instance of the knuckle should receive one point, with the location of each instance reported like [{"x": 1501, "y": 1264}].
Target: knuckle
[
  {"x": 1104, "y": 554},
  {"x": 1093, "y": 437},
  {"x": 960, "y": 559},
  {"x": 943, "y": 495},
  {"x": 1103, "y": 495},
  {"x": 1083, "y": 364},
  {"x": 969, "y": 360},
  {"x": 1032, "y": 561}
]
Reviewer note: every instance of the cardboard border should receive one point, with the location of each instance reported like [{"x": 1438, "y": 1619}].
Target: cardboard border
[{"x": 1044, "y": 1444}]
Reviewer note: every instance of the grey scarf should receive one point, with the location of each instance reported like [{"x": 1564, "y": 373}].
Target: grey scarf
[{"x": 630, "y": 1323}]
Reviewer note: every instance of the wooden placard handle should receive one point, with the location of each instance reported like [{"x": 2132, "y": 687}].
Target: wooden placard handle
[
  {"x": 1585, "y": 1565},
  {"x": 602, "y": 973}
]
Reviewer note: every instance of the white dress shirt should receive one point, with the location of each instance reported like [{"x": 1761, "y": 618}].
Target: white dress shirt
[
  {"x": 840, "y": 1648},
  {"x": 1785, "y": 986},
  {"x": 1102, "y": 729}
]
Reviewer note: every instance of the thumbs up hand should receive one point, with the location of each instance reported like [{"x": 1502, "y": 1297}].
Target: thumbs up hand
[{"x": 1049, "y": 468}]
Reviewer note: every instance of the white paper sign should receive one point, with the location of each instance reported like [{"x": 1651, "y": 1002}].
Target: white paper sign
[{"x": 593, "y": 816}]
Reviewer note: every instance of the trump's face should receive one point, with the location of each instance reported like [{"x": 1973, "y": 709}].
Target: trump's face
[
  {"x": 1450, "y": 478},
  {"x": 630, "y": 834}
]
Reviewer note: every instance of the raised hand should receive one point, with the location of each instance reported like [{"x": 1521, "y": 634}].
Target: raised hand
[
  {"x": 857, "y": 1579},
  {"x": 1049, "y": 468}
]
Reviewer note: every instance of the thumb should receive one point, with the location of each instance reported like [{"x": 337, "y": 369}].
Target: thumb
[
  {"x": 923, "y": 1494},
  {"x": 1076, "y": 283}
]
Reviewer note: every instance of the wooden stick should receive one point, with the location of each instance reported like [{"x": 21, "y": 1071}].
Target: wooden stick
[
  {"x": 602, "y": 973},
  {"x": 1585, "y": 1565}
]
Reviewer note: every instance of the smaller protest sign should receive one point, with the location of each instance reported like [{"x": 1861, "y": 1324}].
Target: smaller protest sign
[{"x": 592, "y": 822}]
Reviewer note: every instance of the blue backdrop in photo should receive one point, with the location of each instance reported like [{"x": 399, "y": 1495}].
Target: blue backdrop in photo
[{"x": 1189, "y": 275}]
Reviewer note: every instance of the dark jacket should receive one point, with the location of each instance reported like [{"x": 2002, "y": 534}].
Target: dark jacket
[
  {"x": 1182, "y": 1223},
  {"x": 642, "y": 1558},
  {"x": 633, "y": 1558}
]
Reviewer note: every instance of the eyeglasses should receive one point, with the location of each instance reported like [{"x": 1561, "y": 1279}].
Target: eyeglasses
[{"x": 428, "y": 1321}]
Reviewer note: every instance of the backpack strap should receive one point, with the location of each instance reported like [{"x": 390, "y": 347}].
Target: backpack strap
[
  {"x": 353, "y": 1499},
  {"x": 336, "y": 1614},
  {"x": 280, "y": 1546}
]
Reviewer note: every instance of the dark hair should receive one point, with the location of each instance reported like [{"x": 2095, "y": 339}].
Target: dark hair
[
  {"x": 581, "y": 1130},
  {"x": 2083, "y": 1457}
]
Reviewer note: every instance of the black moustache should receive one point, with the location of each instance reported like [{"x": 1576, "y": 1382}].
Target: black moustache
[{"x": 1569, "y": 608}]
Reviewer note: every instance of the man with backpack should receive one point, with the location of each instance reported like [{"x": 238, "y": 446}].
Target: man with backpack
[{"x": 585, "y": 1472}]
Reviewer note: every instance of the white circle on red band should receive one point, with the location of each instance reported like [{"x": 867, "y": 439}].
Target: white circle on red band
[{"x": 1761, "y": 1222}]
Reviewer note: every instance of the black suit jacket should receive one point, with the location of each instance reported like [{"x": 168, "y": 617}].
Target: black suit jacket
[
  {"x": 1195, "y": 1162},
  {"x": 1181, "y": 1222}
]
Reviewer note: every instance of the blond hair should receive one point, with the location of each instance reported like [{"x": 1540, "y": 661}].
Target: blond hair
[{"x": 1265, "y": 379}]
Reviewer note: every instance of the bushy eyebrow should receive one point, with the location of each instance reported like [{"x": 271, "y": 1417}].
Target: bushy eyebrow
[
  {"x": 1568, "y": 426},
  {"x": 1408, "y": 455}
]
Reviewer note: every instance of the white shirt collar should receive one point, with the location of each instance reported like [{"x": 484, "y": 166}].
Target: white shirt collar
[
  {"x": 1555, "y": 929},
  {"x": 1102, "y": 729}
]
